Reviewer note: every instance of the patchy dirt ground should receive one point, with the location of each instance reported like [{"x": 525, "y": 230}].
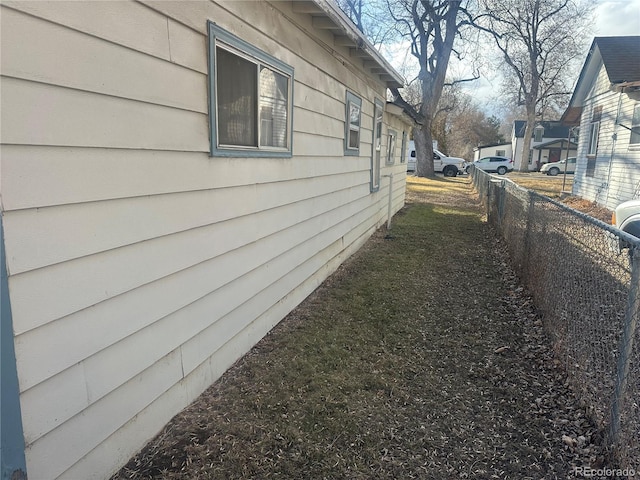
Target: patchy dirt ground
[
  {"x": 590, "y": 208},
  {"x": 421, "y": 357}
]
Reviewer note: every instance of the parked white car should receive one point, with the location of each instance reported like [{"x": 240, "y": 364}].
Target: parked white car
[
  {"x": 554, "y": 168},
  {"x": 626, "y": 217},
  {"x": 499, "y": 165}
]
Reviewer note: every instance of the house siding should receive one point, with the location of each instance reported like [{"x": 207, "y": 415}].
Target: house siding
[
  {"x": 493, "y": 150},
  {"x": 12, "y": 461},
  {"x": 140, "y": 268},
  {"x": 616, "y": 177},
  {"x": 539, "y": 156}
]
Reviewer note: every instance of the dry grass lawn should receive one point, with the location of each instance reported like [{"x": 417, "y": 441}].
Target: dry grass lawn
[
  {"x": 552, "y": 188},
  {"x": 421, "y": 357}
]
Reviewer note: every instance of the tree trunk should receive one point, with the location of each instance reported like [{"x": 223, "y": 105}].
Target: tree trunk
[
  {"x": 424, "y": 150},
  {"x": 526, "y": 143}
]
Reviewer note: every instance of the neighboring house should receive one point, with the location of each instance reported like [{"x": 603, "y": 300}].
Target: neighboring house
[
  {"x": 176, "y": 178},
  {"x": 550, "y": 143},
  {"x": 493, "y": 150},
  {"x": 606, "y": 106}
]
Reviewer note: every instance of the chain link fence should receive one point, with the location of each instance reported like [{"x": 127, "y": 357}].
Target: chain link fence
[{"x": 584, "y": 276}]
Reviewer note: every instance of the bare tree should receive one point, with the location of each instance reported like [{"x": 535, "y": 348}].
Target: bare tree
[
  {"x": 371, "y": 18},
  {"x": 431, "y": 26},
  {"x": 453, "y": 103},
  {"x": 460, "y": 125},
  {"x": 538, "y": 40}
]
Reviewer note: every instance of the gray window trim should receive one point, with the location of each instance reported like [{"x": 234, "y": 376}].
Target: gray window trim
[
  {"x": 351, "y": 99},
  {"x": 594, "y": 131},
  {"x": 403, "y": 152},
  {"x": 376, "y": 160},
  {"x": 240, "y": 47},
  {"x": 392, "y": 138},
  {"x": 634, "y": 135},
  {"x": 592, "y": 143}
]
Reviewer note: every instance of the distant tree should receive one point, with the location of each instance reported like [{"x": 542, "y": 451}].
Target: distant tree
[
  {"x": 473, "y": 129},
  {"x": 452, "y": 102},
  {"x": 538, "y": 40},
  {"x": 460, "y": 125}
]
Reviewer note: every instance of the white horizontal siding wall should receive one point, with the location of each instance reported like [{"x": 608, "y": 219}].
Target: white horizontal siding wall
[
  {"x": 617, "y": 172},
  {"x": 141, "y": 268},
  {"x": 493, "y": 151},
  {"x": 624, "y": 179}
]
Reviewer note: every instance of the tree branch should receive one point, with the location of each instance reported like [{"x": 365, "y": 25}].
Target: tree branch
[{"x": 409, "y": 109}]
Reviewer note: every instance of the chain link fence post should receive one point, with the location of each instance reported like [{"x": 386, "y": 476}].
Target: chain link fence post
[
  {"x": 626, "y": 344},
  {"x": 584, "y": 277},
  {"x": 528, "y": 233}
]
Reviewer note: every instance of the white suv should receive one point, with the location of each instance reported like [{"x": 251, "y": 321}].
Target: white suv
[
  {"x": 499, "y": 165},
  {"x": 627, "y": 217},
  {"x": 554, "y": 168}
]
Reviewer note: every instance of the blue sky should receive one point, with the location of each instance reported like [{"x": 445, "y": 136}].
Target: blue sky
[{"x": 612, "y": 18}]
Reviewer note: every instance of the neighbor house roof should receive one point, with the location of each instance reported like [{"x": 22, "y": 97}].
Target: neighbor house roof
[
  {"x": 326, "y": 15},
  {"x": 621, "y": 59},
  {"x": 491, "y": 145},
  {"x": 551, "y": 129},
  {"x": 557, "y": 143}
]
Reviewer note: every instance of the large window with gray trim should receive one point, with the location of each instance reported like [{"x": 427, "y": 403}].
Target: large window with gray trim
[{"x": 250, "y": 98}]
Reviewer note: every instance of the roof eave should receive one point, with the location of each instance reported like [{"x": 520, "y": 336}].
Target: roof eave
[
  {"x": 328, "y": 16},
  {"x": 572, "y": 114}
]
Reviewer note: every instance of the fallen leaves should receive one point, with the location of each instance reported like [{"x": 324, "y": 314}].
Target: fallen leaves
[{"x": 406, "y": 363}]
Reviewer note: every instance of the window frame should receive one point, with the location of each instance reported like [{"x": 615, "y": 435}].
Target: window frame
[
  {"x": 594, "y": 132},
  {"x": 392, "y": 137},
  {"x": 220, "y": 38},
  {"x": 538, "y": 134},
  {"x": 376, "y": 145},
  {"x": 634, "y": 135},
  {"x": 590, "y": 170},
  {"x": 352, "y": 99},
  {"x": 403, "y": 151}
]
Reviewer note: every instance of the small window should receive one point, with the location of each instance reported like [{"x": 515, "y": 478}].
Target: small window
[
  {"x": 391, "y": 148},
  {"x": 591, "y": 167},
  {"x": 635, "y": 126},
  {"x": 538, "y": 132},
  {"x": 594, "y": 130},
  {"x": 250, "y": 99},
  {"x": 353, "y": 116},
  {"x": 501, "y": 153},
  {"x": 377, "y": 145}
]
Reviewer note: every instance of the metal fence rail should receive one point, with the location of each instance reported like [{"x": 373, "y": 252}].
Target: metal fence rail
[{"x": 587, "y": 288}]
